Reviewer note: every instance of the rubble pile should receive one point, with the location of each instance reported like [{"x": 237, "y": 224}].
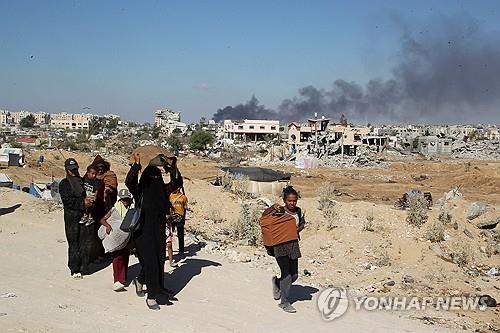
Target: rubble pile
[
  {"x": 478, "y": 149},
  {"x": 364, "y": 159}
]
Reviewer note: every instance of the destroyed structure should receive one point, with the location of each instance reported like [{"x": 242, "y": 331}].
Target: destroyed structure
[{"x": 169, "y": 121}]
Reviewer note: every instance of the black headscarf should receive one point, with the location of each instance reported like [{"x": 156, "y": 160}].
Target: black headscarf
[{"x": 152, "y": 189}]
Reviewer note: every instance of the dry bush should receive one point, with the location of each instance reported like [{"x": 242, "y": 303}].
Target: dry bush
[
  {"x": 330, "y": 213},
  {"x": 226, "y": 181},
  {"x": 435, "y": 233},
  {"x": 247, "y": 227},
  {"x": 240, "y": 185},
  {"x": 327, "y": 204},
  {"x": 326, "y": 193},
  {"x": 382, "y": 257},
  {"x": 417, "y": 210},
  {"x": 215, "y": 215},
  {"x": 444, "y": 216},
  {"x": 460, "y": 253},
  {"x": 368, "y": 223}
]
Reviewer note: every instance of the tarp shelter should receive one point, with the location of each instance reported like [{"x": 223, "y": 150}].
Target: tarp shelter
[
  {"x": 261, "y": 181},
  {"x": 47, "y": 191},
  {"x": 11, "y": 156},
  {"x": 5, "y": 180},
  {"x": 258, "y": 174}
]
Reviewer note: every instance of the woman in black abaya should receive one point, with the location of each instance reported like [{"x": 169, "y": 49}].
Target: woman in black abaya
[{"x": 150, "y": 238}]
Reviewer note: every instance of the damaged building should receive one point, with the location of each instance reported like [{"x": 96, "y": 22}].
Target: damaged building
[
  {"x": 433, "y": 145},
  {"x": 251, "y": 130}
]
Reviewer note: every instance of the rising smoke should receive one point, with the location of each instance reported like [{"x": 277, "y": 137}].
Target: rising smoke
[{"x": 448, "y": 72}]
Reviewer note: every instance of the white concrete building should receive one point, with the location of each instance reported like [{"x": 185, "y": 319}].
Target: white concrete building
[
  {"x": 41, "y": 118},
  {"x": 71, "y": 121},
  {"x": 5, "y": 118},
  {"x": 251, "y": 130}
]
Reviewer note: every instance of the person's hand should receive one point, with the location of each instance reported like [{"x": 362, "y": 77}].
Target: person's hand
[
  {"x": 279, "y": 211},
  {"x": 87, "y": 202},
  {"x": 137, "y": 157},
  {"x": 108, "y": 229}
]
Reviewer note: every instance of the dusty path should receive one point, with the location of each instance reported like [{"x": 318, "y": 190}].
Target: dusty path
[{"x": 213, "y": 295}]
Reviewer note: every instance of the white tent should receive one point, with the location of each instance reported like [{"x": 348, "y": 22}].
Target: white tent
[
  {"x": 5, "y": 180},
  {"x": 11, "y": 156}
]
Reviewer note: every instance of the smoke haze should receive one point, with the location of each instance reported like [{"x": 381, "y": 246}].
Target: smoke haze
[{"x": 448, "y": 72}]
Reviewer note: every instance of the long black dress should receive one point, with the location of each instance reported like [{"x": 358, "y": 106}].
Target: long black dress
[{"x": 150, "y": 238}]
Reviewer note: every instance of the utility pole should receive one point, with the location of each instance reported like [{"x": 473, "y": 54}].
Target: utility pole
[{"x": 316, "y": 131}]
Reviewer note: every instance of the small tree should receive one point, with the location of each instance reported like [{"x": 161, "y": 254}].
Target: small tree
[
  {"x": 174, "y": 142},
  {"x": 156, "y": 132},
  {"x": 95, "y": 126},
  {"x": 28, "y": 121},
  {"x": 112, "y": 123},
  {"x": 200, "y": 139}
]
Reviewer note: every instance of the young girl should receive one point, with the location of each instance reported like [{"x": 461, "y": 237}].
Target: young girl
[{"x": 287, "y": 254}]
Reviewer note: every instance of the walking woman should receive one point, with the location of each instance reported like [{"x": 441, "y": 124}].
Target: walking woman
[
  {"x": 150, "y": 238},
  {"x": 287, "y": 254},
  {"x": 75, "y": 202}
]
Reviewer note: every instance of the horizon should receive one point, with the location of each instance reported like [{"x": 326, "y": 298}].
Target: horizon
[{"x": 132, "y": 59}]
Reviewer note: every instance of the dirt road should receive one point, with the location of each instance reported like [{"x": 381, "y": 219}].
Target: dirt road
[{"x": 213, "y": 295}]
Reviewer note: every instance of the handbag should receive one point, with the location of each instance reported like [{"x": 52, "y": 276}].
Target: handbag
[{"x": 132, "y": 217}]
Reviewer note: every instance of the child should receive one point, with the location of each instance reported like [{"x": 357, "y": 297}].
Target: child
[
  {"x": 179, "y": 202},
  {"x": 287, "y": 254},
  {"x": 169, "y": 235},
  {"x": 91, "y": 186}
]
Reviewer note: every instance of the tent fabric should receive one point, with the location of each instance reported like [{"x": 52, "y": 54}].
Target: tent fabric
[
  {"x": 35, "y": 190},
  {"x": 258, "y": 174},
  {"x": 5, "y": 180},
  {"x": 12, "y": 156}
]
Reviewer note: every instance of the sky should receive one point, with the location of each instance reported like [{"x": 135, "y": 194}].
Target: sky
[{"x": 133, "y": 57}]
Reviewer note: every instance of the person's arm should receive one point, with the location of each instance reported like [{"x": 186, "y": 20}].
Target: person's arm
[
  {"x": 68, "y": 197},
  {"x": 302, "y": 221},
  {"x": 104, "y": 222},
  {"x": 132, "y": 179}
]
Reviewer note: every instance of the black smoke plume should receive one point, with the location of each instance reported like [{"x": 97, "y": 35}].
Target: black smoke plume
[{"x": 448, "y": 71}]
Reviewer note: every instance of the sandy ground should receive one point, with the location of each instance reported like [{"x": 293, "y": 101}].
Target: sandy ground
[
  {"x": 234, "y": 296},
  {"x": 213, "y": 294}
]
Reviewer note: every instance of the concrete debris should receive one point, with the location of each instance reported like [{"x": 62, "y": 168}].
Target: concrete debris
[
  {"x": 468, "y": 233},
  {"x": 453, "y": 194},
  {"x": 477, "y": 150},
  {"x": 475, "y": 210},
  {"x": 488, "y": 224},
  {"x": 408, "y": 279},
  {"x": 487, "y": 301},
  {"x": 493, "y": 272}
]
